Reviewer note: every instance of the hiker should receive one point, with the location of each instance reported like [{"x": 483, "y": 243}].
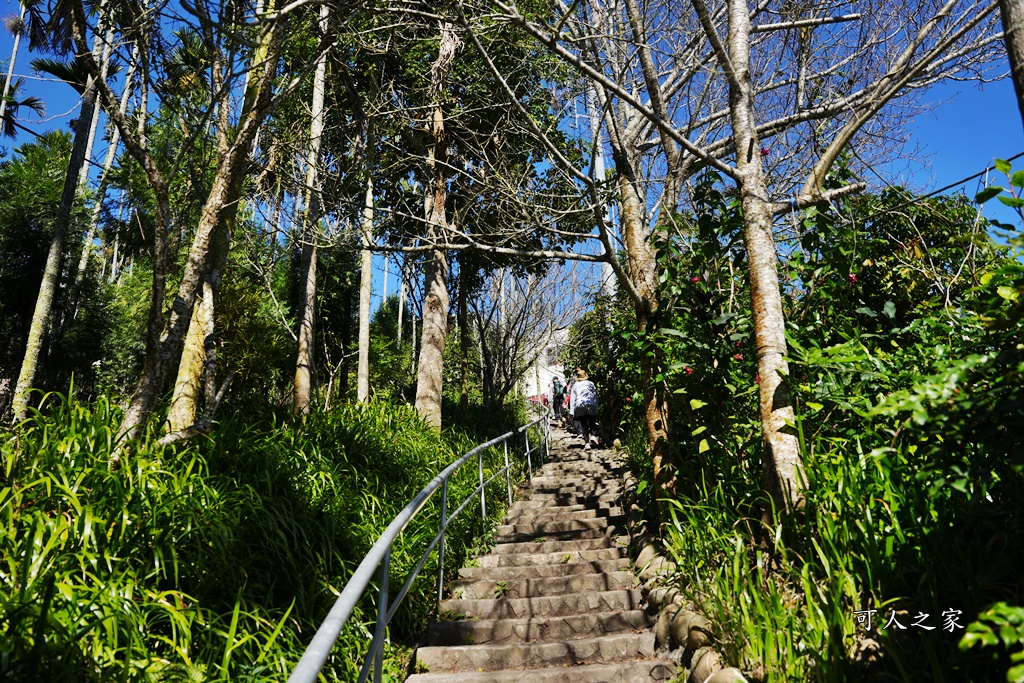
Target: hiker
[
  {"x": 557, "y": 396},
  {"x": 583, "y": 406}
]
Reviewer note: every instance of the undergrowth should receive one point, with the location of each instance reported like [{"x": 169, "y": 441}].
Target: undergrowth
[{"x": 215, "y": 561}]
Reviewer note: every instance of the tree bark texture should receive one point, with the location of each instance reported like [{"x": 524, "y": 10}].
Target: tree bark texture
[
  {"x": 642, "y": 267},
  {"x": 164, "y": 344},
  {"x": 1012, "y": 13},
  {"x": 781, "y": 465},
  {"x": 434, "y": 331},
  {"x": 184, "y": 407},
  {"x": 306, "y": 357},
  {"x": 463, "y": 319},
  {"x": 42, "y": 314},
  {"x": 365, "y": 275}
]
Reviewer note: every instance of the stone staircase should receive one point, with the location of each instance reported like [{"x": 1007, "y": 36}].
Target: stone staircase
[{"x": 555, "y": 599}]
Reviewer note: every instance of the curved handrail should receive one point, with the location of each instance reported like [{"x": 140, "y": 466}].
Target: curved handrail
[{"x": 319, "y": 649}]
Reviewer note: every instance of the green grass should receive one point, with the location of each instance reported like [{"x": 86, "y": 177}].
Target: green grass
[{"x": 215, "y": 561}]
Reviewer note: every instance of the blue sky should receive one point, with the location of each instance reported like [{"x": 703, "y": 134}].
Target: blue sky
[{"x": 962, "y": 130}]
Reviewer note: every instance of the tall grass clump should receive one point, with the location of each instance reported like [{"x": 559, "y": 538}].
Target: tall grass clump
[{"x": 214, "y": 561}]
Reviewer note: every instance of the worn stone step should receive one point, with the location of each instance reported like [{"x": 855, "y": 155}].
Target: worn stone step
[
  {"x": 568, "y": 489},
  {"x": 541, "y": 515},
  {"x": 543, "y": 536},
  {"x": 576, "y": 510},
  {"x": 541, "y": 527},
  {"x": 478, "y": 589},
  {"x": 531, "y": 559},
  {"x": 545, "y": 546},
  {"x": 637, "y": 671},
  {"x": 568, "y": 627},
  {"x": 547, "y": 606},
  {"x": 539, "y": 571},
  {"x": 575, "y": 497},
  {"x": 617, "y": 647}
]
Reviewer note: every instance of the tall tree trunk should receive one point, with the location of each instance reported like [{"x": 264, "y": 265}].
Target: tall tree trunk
[
  {"x": 183, "y": 410},
  {"x": 10, "y": 67},
  {"x": 304, "y": 363},
  {"x": 166, "y": 336},
  {"x": 1012, "y": 12},
  {"x": 463, "y": 316},
  {"x": 401, "y": 304},
  {"x": 365, "y": 274},
  {"x": 435, "y": 305},
  {"x": 782, "y": 465},
  {"x": 101, "y": 191},
  {"x": 101, "y": 49},
  {"x": 48, "y": 287}
]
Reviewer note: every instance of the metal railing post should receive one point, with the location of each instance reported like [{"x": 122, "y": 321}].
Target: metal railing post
[
  {"x": 382, "y": 613},
  {"x": 483, "y": 488},
  {"x": 440, "y": 547},
  {"x": 529, "y": 463},
  {"x": 508, "y": 472}
]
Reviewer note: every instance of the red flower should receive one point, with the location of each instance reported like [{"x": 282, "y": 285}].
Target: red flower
[
  {"x": 694, "y": 279},
  {"x": 738, "y": 356},
  {"x": 852, "y": 278},
  {"x": 757, "y": 377},
  {"x": 739, "y": 344},
  {"x": 629, "y": 400},
  {"x": 765, "y": 151},
  {"x": 689, "y": 370}
]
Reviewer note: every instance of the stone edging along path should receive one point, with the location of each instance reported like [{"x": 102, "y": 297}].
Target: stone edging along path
[{"x": 556, "y": 599}]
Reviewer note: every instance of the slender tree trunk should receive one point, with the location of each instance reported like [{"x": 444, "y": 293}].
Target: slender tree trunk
[
  {"x": 435, "y": 305},
  {"x": 101, "y": 191},
  {"x": 101, "y": 49},
  {"x": 183, "y": 410},
  {"x": 463, "y": 315},
  {"x": 365, "y": 275},
  {"x": 305, "y": 362},
  {"x": 44, "y": 302},
  {"x": 782, "y": 466},
  {"x": 165, "y": 339},
  {"x": 401, "y": 304},
  {"x": 1012, "y": 12},
  {"x": 10, "y": 67}
]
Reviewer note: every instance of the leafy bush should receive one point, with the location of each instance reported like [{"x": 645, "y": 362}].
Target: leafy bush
[
  {"x": 216, "y": 561},
  {"x": 906, "y": 365}
]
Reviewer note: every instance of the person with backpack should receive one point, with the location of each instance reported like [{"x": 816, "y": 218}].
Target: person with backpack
[
  {"x": 583, "y": 406},
  {"x": 557, "y": 395}
]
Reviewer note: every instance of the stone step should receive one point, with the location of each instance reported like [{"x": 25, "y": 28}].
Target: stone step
[
  {"x": 548, "y": 606},
  {"x": 569, "y": 627},
  {"x": 542, "y": 571},
  {"x": 543, "y": 536},
  {"x": 545, "y": 546},
  {"x": 536, "y": 527},
  {"x": 541, "y": 515},
  {"x": 608, "y": 649},
  {"x": 479, "y": 589},
  {"x": 637, "y": 671},
  {"x": 606, "y": 498},
  {"x": 569, "y": 488},
  {"x": 530, "y": 559}
]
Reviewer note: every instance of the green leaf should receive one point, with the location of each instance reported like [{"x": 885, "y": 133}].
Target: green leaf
[
  {"x": 864, "y": 310},
  {"x": 724, "y": 318},
  {"x": 814, "y": 406},
  {"x": 699, "y": 430},
  {"x": 1008, "y": 293},
  {"x": 1003, "y": 166},
  {"x": 1017, "y": 179},
  {"x": 697, "y": 404},
  {"x": 1014, "y": 202},
  {"x": 670, "y": 331},
  {"x": 987, "y": 194},
  {"x": 703, "y": 447},
  {"x": 889, "y": 309}
]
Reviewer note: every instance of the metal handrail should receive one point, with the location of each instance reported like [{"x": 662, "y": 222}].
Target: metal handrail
[{"x": 319, "y": 649}]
